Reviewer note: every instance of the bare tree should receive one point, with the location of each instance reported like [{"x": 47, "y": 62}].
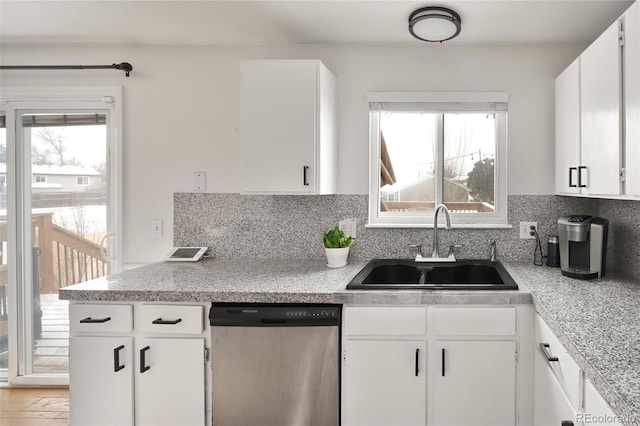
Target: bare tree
[{"x": 51, "y": 148}]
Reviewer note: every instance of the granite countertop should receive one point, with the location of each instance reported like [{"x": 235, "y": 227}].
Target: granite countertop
[{"x": 598, "y": 321}]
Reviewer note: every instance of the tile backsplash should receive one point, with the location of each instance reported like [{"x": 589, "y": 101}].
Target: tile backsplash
[{"x": 290, "y": 226}]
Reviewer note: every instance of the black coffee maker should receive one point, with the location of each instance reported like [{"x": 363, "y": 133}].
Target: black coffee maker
[{"x": 583, "y": 246}]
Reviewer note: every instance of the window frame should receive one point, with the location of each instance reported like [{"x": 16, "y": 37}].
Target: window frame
[
  {"x": 83, "y": 177},
  {"x": 445, "y": 102},
  {"x": 39, "y": 179},
  {"x": 13, "y": 102}
]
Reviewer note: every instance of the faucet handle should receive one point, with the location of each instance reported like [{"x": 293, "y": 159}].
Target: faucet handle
[
  {"x": 418, "y": 248},
  {"x": 452, "y": 248}
]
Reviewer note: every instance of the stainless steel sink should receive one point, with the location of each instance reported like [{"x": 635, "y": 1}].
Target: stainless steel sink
[{"x": 403, "y": 274}]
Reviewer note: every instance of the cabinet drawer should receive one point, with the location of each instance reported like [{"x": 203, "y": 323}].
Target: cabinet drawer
[
  {"x": 565, "y": 368},
  {"x": 169, "y": 319},
  {"x": 100, "y": 318},
  {"x": 392, "y": 321},
  {"x": 465, "y": 321}
]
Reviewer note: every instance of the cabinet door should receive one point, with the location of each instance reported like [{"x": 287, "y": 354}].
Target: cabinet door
[
  {"x": 384, "y": 383},
  {"x": 278, "y": 126},
  {"x": 101, "y": 381},
  {"x": 596, "y": 409},
  {"x": 600, "y": 111},
  {"x": 568, "y": 129},
  {"x": 632, "y": 98},
  {"x": 551, "y": 405},
  {"x": 474, "y": 383},
  {"x": 170, "y": 382}
]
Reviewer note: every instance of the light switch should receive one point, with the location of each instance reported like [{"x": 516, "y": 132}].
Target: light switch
[
  {"x": 156, "y": 228},
  {"x": 200, "y": 181}
]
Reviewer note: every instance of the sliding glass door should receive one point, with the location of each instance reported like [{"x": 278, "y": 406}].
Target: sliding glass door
[{"x": 61, "y": 223}]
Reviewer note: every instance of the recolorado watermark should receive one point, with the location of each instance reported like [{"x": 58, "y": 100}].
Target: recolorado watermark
[{"x": 605, "y": 419}]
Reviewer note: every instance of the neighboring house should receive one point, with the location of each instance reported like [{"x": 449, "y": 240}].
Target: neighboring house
[
  {"x": 424, "y": 190},
  {"x": 60, "y": 178}
]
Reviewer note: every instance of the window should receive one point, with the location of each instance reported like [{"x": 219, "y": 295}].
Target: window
[
  {"x": 40, "y": 179},
  {"x": 438, "y": 148},
  {"x": 82, "y": 180}
]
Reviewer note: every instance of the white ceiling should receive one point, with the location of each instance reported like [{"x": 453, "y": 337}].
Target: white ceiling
[{"x": 239, "y": 22}]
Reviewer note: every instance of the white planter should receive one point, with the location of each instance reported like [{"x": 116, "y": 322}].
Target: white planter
[{"x": 336, "y": 257}]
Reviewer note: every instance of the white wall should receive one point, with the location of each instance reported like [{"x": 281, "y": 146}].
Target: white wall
[{"x": 181, "y": 110}]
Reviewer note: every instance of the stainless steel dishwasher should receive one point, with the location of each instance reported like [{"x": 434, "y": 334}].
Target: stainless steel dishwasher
[{"x": 275, "y": 364}]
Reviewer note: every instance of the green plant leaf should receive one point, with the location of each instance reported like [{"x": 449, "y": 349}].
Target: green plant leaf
[{"x": 335, "y": 238}]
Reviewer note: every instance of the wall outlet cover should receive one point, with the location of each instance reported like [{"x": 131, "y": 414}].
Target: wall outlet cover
[
  {"x": 525, "y": 230},
  {"x": 348, "y": 226}
]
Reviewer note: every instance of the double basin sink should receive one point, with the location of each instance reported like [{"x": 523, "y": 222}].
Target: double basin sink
[{"x": 406, "y": 274}]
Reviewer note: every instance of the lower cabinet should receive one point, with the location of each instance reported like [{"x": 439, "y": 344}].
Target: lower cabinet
[
  {"x": 552, "y": 406},
  {"x": 384, "y": 382},
  {"x": 101, "y": 380},
  {"x": 475, "y": 383},
  {"x": 596, "y": 409},
  {"x": 136, "y": 378},
  {"x": 169, "y": 383},
  {"x": 407, "y": 366},
  {"x": 561, "y": 391}
]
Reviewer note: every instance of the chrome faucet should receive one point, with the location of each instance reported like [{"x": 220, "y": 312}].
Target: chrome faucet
[
  {"x": 435, "y": 257},
  {"x": 492, "y": 250},
  {"x": 435, "y": 227}
]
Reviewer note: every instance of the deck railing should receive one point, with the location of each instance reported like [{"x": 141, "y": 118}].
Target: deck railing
[{"x": 64, "y": 257}]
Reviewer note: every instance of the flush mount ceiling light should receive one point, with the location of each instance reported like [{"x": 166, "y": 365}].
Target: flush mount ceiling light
[{"x": 434, "y": 24}]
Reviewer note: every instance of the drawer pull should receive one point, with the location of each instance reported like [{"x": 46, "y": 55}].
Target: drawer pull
[
  {"x": 167, "y": 322},
  {"x": 544, "y": 347},
  {"x": 143, "y": 362},
  {"x": 89, "y": 320},
  {"x": 116, "y": 359}
]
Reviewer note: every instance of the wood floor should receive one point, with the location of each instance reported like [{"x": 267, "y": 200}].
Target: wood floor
[{"x": 34, "y": 407}]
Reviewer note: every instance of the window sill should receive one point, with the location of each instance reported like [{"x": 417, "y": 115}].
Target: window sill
[{"x": 430, "y": 225}]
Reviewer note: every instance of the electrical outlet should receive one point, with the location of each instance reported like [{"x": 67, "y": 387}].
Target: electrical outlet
[
  {"x": 525, "y": 230},
  {"x": 348, "y": 226}
]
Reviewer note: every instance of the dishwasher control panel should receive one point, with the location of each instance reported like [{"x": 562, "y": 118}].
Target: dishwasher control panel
[{"x": 234, "y": 314}]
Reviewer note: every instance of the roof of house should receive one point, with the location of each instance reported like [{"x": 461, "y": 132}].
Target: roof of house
[{"x": 37, "y": 169}]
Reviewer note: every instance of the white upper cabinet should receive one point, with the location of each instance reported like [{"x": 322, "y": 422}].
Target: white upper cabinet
[
  {"x": 600, "y": 90},
  {"x": 288, "y": 127},
  {"x": 568, "y": 129},
  {"x": 598, "y": 115},
  {"x": 588, "y": 117},
  {"x": 632, "y": 98}
]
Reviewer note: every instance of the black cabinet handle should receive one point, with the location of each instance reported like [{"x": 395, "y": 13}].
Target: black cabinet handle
[
  {"x": 168, "y": 322},
  {"x": 544, "y": 348},
  {"x": 417, "y": 361},
  {"x": 89, "y": 320},
  {"x": 116, "y": 359},
  {"x": 443, "y": 355},
  {"x": 566, "y": 423},
  {"x": 580, "y": 185},
  {"x": 304, "y": 175},
  {"x": 571, "y": 169},
  {"x": 143, "y": 362}
]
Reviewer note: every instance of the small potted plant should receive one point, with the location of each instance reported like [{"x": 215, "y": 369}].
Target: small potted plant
[{"x": 336, "y": 247}]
